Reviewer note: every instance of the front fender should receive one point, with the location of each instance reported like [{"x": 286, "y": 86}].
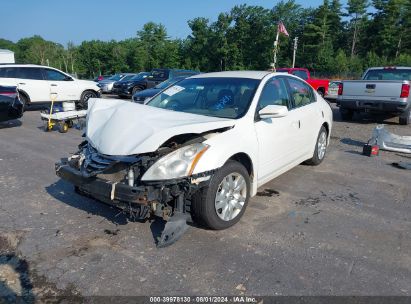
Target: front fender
[{"x": 240, "y": 139}]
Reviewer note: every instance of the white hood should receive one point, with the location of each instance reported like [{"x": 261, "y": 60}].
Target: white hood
[{"x": 120, "y": 127}]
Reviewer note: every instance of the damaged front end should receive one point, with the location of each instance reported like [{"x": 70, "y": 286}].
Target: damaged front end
[{"x": 118, "y": 181}]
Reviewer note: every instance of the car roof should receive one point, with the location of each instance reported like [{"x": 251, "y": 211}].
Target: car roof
[
  {"x": 24, "y": 65},
  {"x": 237, "y": 74}
]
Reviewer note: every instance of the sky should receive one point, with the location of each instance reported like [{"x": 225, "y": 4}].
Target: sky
[{"x": 78, "y": 20}]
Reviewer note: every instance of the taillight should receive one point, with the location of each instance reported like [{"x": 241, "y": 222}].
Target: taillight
[
  {"x": 340, "y": 88},
  {"x": 405, "y": 91},
  {"x": 9, "y": 93}
]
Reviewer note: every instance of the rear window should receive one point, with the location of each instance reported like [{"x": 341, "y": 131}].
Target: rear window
[
  {"x": 388, "y": 74},
  {"x": 29, "y": 73},
  {"x": 10, "y": 72}
]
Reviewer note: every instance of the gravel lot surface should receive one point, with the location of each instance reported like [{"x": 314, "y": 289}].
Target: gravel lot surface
[{"x": 342, "y": 228}]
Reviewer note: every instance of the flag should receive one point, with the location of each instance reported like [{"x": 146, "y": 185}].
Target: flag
[{"x": 281, "y": 28}]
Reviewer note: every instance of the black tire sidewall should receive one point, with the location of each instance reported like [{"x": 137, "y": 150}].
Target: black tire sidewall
[
  {"x": 207, "y": 212},
  {"x": 83, "y": 102},
  {"x": 405, "y": 118},
  {"x": 135, "y": 90}
]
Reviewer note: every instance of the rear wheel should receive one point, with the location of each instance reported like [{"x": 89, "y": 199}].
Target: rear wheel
[
  {"x": 321, "y": 92},
  {"x": 63, "y": 127},
  {"x": 320, "y": 148},
  {"x": 223, "y": 202},
  {"x": 346, "y": 114},
  {"x": 405, "y": 118}
]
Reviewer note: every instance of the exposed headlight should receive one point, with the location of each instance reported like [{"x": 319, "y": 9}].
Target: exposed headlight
[{"x": 179, "y": 163}]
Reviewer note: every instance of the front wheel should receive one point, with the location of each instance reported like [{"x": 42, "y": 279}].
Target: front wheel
[
  {"x": 85, "y": 97},
  {"x": 135, "y": 90},
  {"x": 320, "y": 148},
  {"x": 223, "y": 202}
]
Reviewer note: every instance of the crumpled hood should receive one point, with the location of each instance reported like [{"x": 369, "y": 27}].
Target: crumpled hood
[{"x": 121, "y": 127}]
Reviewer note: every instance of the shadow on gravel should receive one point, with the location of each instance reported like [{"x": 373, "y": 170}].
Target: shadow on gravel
[
  {"x": 65, "y": 193},
  {"x": 15, "y": 283},
  {"x": 352, "y": 142},
  {"x": 10, "y": 124},
  {"x": 364, "y": 118}
]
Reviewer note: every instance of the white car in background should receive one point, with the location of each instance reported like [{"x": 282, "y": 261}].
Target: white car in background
[
  {"x": 199, "y": 149},
  {"x": 36, "y": 83}
]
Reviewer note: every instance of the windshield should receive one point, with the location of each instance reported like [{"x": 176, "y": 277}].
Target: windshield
[
  {"x": 218, "y": 97},
  {"x": 167, "y": 83},
  {"x": 116, "y": 77},
  {"x": 127, "y": 77},
  {"x": 139, "y": 76},
  {"x": 388, "y": 74}
]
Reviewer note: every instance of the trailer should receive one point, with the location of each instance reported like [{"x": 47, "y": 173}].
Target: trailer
[
  {"x": 6, "y": 56},
  {"x": 64, "y": 120}
]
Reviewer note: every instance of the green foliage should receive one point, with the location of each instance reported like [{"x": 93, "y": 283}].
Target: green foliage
[{"x": 332, "y": 40}]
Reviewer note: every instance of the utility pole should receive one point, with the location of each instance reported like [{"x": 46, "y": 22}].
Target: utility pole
[{"x": 295, "y": 49}]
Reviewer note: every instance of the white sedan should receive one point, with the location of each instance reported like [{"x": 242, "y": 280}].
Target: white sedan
[{"x": 199, "y": 149}]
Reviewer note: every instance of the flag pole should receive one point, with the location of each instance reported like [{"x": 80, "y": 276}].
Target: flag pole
[{"x": 275, "y": 50}]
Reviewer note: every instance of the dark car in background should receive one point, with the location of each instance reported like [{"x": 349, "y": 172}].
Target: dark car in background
[
  {"x": 142, "y": 96},
  {"x": 101, "y": 77},
  {"x": 106, "y": 85},
  {"x": 11, "y": 106},
  {"x": 154, "y": 78},
  {"x": 125, "y": 87}
]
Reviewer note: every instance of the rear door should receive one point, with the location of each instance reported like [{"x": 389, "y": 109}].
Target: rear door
[
  {"x": 31, "y": 81},
  {"x": 308, "y": 114}
]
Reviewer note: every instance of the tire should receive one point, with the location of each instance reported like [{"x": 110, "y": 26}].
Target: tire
[
  {"x": 85, "y": 97},
  {"x": 346, "y": 114},
  {"x": 63, "y": 127},
  {"x": 204, "y": 204},
  {"x": 405, "y": 118},
  {"x": 135, "y": 90},
  {"x": 320, "y": 148},
  {"x": 24, "y": 100},
  {"x": 321, "y": 92}
]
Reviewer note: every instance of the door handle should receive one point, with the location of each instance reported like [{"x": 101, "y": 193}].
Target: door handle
[
  {"x": 22, "y": 83},
  {"x": 296, "y": 124},
  {"x": 54, "y": 85}
]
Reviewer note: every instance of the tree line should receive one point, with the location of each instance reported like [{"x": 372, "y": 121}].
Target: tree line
[{"x": 333, "y": 40}]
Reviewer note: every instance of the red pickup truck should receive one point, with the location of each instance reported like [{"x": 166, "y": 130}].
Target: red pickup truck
[{"x": 320, "y": 85}]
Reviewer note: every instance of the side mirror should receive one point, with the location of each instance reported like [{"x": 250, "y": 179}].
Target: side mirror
[
  {"x": 273, "y": 111},
  {"x": 68, "y": 78}
]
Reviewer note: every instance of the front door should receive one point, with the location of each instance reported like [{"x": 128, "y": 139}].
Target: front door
[{"x": 277, "y": 137}]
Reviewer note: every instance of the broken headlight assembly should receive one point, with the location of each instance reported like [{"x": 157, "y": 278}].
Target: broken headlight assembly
[{"x": 177, "y": 164}]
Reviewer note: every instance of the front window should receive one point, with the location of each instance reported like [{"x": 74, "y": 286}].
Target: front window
[
  {"x": 389, "y": 74},
  {"x": 274, "y": 93},
  {"x": 55, "y": 75},
  {"x": 217, "y": 97}
]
